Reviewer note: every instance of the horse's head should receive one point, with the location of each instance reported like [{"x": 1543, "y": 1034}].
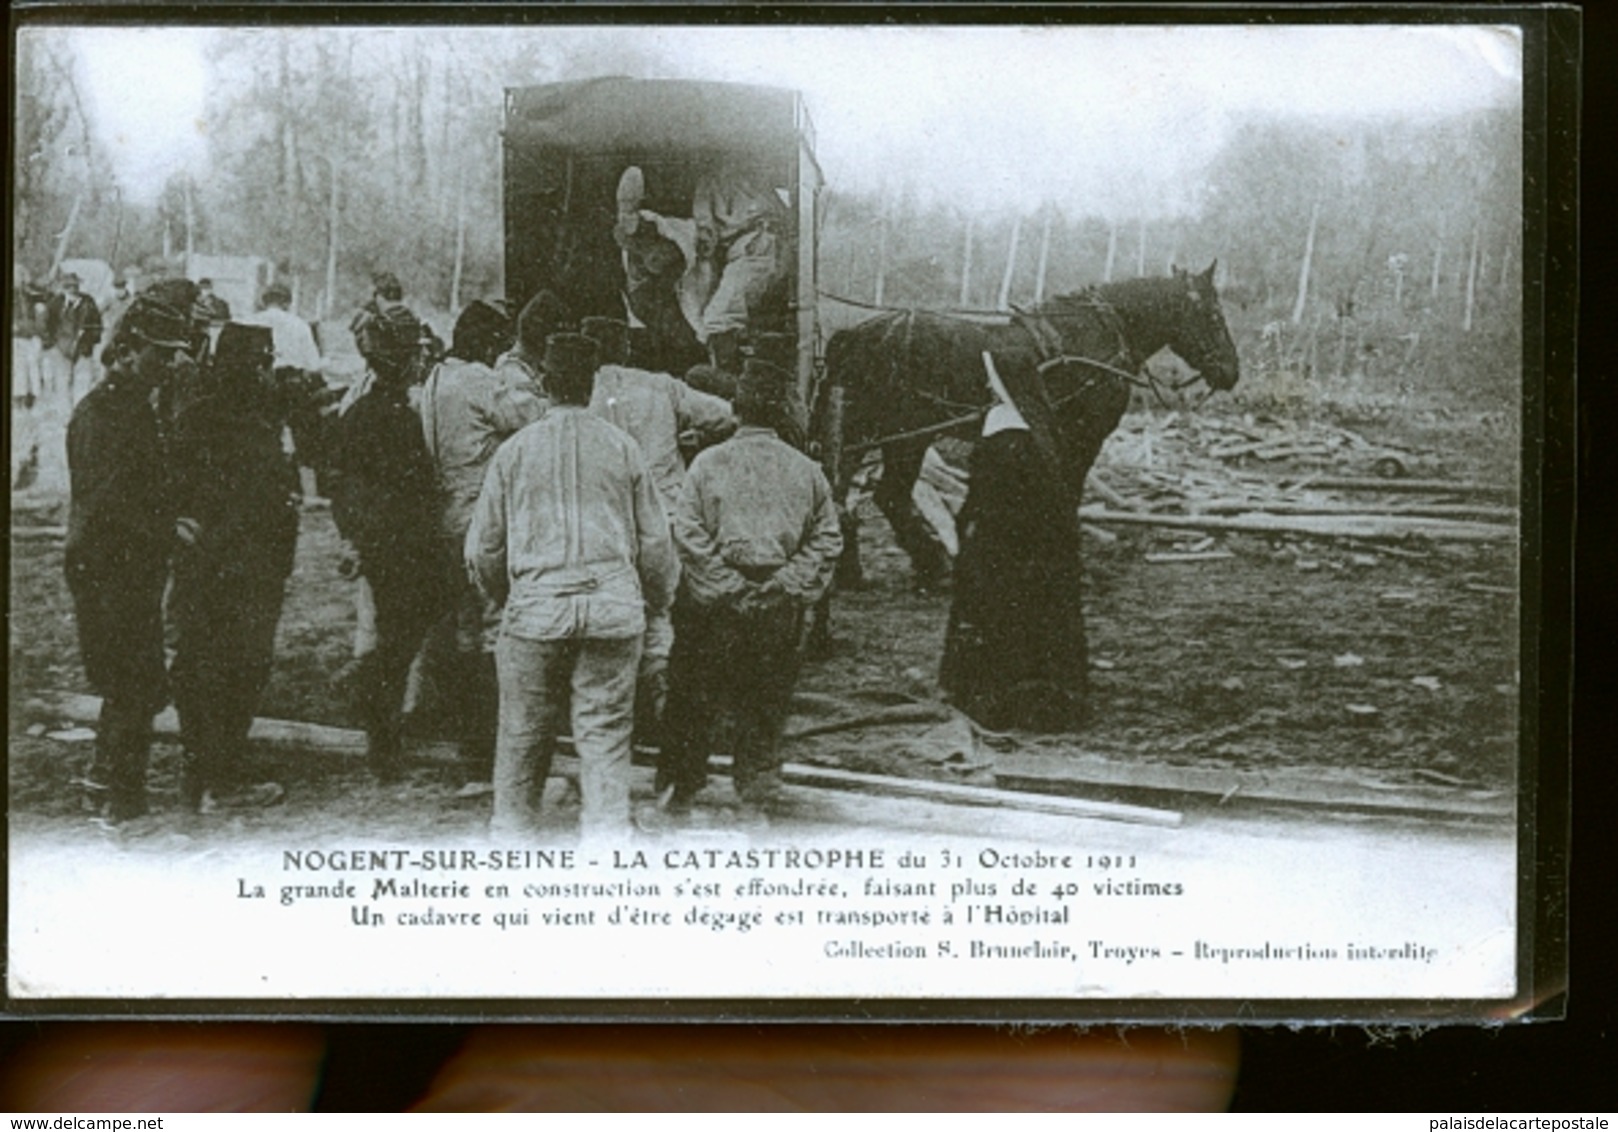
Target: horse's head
[{"x": 1196, "y": 327}]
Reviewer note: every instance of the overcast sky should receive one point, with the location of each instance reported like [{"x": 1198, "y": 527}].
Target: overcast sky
[{"x": 1118, "y": 118}]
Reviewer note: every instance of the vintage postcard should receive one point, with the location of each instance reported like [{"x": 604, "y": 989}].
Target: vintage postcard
[{"x": 1027, "y": 522}]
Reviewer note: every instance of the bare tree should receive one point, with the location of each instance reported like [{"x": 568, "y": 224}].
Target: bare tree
[
  {"x": 1004, "y": 300},
  {"x": 1302, "y": 299},
  {"x": 1044, "y": 258},
  {"x": 966, "y": 267}
]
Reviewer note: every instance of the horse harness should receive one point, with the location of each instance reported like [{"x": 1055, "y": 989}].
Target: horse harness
[
  {"x": 1053, "y": 353},
  {"x": 1051, "y": 350}
]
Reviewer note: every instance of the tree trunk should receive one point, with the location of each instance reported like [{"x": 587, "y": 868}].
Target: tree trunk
[
  {"x": 881, "y": 252},
  {"x": 1044, "y": 260},
  {"x": 328, "y": 301},
  {"x": 460, "y": 243},
  {"x": 291, "y": 172},
  {"x": 1302, "y": 300},
  {"x": 1438, "y": 264},
  {"x": 1112, "y": 253},
  {"x": 966, "y": 267},
  {"x": 444, "y": 158},
  {"x": 416, "y": 120},
  {"x": 1471, "y": 281},
  {"x": 190, "y": 224},
  {"x": 117, "y": 227},
  {"x": 1004, "y": 302},
  {"x": 66, "y": 234},
  {"x": 1140, "y": 251}
]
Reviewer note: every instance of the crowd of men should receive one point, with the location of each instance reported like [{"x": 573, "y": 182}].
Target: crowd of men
[
  {"x": 59, "y": 332},
  {"x": 619, "y": 553}
]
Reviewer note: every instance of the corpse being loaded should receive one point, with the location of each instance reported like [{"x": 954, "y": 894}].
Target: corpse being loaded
[{"x": 684, "y": 209}]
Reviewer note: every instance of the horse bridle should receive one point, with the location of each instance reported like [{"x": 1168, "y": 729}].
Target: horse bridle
[{"x": 1044, "y": 334}]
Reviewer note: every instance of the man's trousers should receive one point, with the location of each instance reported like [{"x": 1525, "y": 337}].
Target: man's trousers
[
  {"x": 407, "y": 602},
  {"x": 537, "y": 681},
  {"x": 471, "y": 685},
  {"x": 119, "y": 609},
  {"x": 734, "y": 668},
  {"x": 223, "y": 651}
]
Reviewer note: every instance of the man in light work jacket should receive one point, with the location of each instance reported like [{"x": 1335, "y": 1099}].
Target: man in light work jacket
[
  {"x": 758, "y": 538},
  {"x": 467, "y": 412},
  {"x": 569, "y": 536},
  {"x": 655, "y": 409}
]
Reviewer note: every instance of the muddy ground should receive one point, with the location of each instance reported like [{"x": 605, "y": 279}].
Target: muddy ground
[{"x": 1319, "y": 660}]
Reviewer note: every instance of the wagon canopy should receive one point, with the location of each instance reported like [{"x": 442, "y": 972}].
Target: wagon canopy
[{"x": 655, "y": 117}]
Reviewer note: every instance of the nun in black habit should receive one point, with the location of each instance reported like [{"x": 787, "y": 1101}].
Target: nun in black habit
[{"x": 1014, "y": 654}]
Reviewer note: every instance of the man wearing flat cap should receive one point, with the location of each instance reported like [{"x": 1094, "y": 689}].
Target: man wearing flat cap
[
  {"x": 389, "y": 335},
  {"x": 570, "y": 539},
  {"x": 237, "y": 499},
  {"x": 758, "y": 538},
  {"x": 187, "y": 381},
  {"x": 120, "y": 530},
  {"x": 467, "y": 412}
]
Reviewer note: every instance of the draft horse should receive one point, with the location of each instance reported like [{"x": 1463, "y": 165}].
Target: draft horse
[{"x": 903, "y": 379}]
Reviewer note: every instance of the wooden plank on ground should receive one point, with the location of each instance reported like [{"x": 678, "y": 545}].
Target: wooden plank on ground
[
  {"x": 1367, "y": 527},
  {"x": 345, "y": 741},
  {"x": 954, "y": 794},
  {"x": 1448, "y": 487},
  {"x": 1189, "y": 556}
]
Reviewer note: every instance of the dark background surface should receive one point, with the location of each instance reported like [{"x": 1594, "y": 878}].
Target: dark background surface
[{"x": 1553, "y": 1066}]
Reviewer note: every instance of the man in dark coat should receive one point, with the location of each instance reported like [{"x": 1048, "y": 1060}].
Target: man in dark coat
[
  {"x": 236, "y": 495},
  {"x": 384, "y": 495},
  {"x": 120, "y": 530},
  {"x": 210, "y": 309},
  {"x": 72, "y": 333}
]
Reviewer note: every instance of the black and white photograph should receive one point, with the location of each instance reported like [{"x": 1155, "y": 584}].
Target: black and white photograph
[{"x": 997, "y": 521}]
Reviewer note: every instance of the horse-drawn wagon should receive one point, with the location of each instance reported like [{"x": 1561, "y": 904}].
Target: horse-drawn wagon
[{"x": 567, "y": 150}]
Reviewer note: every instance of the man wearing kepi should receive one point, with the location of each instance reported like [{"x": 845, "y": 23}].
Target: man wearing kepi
[
  {"x": 569, "y": 537},
  {"x": 120, "y": 530},
  {"x": 467, "y": 412},
  {"x": 758, "y": 539}
]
